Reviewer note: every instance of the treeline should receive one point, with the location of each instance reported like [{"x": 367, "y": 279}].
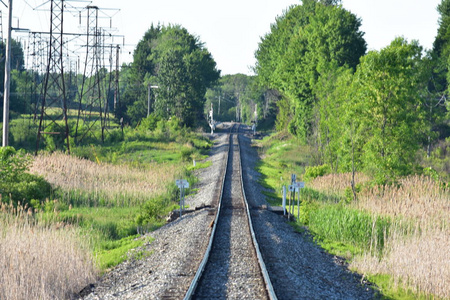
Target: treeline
[
  {"x": 168, "y": 58},
  {"x": 240, "y": 98},
  {"x": 360, "y": 111},
  {"x": 180, "y": 69}
]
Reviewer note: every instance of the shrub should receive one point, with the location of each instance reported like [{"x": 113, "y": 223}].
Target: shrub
[
  {"x": 114, "y": 136},
  {"x": 15, "y": 183},
  {"x": 186, "y": 153},
  {"x": 154, "y": 210},
  {"x": 316, "y": 171},
  {"x": 24, "y": 133},
  {"x": 150, "y": 123},
  {"x": 56, "y": 141}
]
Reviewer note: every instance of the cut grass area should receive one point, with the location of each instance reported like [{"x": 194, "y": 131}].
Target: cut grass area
[
  {"x": 199, "y": 165},
  {"x": 111, "y": 222}
]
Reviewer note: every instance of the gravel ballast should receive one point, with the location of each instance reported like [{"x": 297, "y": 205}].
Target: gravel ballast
[{"x": 298, "y": 268}]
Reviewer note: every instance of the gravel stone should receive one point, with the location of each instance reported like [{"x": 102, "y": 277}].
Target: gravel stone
[
  {"x": 232, "y": 271},
  {"x": 298, "y": 268}
]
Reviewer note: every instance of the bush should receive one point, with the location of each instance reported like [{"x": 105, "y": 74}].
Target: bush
[
  {"x": 24, "y": 133},
  {"x": 150, "y": 123},
  {"x": 15, "y": 183},
  {"x": 154, "y": 210},
  {"x": 114, "y": 136},
  {"x": 56, "y": 141},
  {"x": 316, "y": 171},
  {"x": 187, "y": 153}
]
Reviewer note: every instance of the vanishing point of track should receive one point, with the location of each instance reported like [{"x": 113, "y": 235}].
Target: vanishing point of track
[{"x": 232, "y": 266}]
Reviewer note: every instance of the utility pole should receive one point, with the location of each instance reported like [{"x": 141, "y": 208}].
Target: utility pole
[
  {"x": 149, "y": 93},
  {"x": 218, "y": 111},
  {"x": 7, "y": 80}
]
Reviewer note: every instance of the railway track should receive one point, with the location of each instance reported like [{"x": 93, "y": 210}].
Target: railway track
[{"x": 232, "y": 266}]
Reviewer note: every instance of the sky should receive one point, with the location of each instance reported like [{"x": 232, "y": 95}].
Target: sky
[{"x": 231, "y": 29}]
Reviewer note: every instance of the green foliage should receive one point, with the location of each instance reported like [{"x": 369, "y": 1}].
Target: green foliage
[
  {"x": 199, "y": 165},
  {"x": 316, "y": 171},
  {"x": 437, "y": 165},
  {"x": 391, "y": 117},
  {"x": 186, "y": 153},
  {"x": 24, "y": 133},
  {"x": 182, "y": 68},
  {"x": 392, "y": 290},
  {"x": 155, "y": 209},
  {"x": 150, "y": 123},
  {"x": 338, "y": 223},
  {"x": 242, "y": 92},
  {"x": 374, "y": 120},
  {"x": 13, "y": 164},
  {"x": 57, "y": 139},
  {"x": 302, "y": 44},
  {"x": 115, "y": 252},
  {"x": 15, "y": 183}
]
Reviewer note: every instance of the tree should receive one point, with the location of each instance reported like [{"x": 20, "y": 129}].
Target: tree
[
  {"x": 17, "y": 64},
  {"x": 182, "y": 68},
  {"x": 438, "y": 64},
  {"x": 236, "y": 97},
  {"x": 301, "y": 45},
  {"x": 389, "y": 109}
]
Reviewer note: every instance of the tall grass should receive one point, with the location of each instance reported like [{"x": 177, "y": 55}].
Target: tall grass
[
  {"x": 39, "y": 260},
  {"x": 398, "y": 233},
  {"x": 419, "y": 258},
  {"x": 336, "y": 184},
  {"x": 87, "y": 183},
  {"x": 416, "y": 197},
  {"x": 350, "y": 226},
  {"x": 407, "y": 223},
  {"x": 418, "y": 262}
]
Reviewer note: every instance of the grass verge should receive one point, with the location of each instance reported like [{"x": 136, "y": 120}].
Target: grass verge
[{"x": 397, "y": 236}]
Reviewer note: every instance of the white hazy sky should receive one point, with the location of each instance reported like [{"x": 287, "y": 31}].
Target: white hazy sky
[{"x": 231, "y": 29}]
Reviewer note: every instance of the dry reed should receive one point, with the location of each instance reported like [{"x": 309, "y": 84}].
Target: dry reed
[
  {"x": 417, "y": 249},
  {"x": 418, "y": 198},
  {"x": 111, "y": 182},
  {"x": 41, "y": 261},
  {"x": 418, "y": 258},
  {"x": 335, "y": 184},
  {"x": 420, "y": 262}
]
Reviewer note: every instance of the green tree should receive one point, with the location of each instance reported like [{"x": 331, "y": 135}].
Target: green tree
[
  {"x": 438, "y": 64},
  {"x": 182, "y": 68},
  {"x": 389, "y": 110},
  {"x": 21, "y": 84},
  {"x": 301, "y": 45},
  {"x": 17, "y": 66},
  {"x": 242, "y": 92},
  {"x": 15, "y": 183}
]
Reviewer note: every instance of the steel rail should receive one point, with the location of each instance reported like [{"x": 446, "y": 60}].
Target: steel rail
[
  {"x": 262, "y": 265},
  {"x": 268, "y": 284},
  {"x": 202, "y": 265}
]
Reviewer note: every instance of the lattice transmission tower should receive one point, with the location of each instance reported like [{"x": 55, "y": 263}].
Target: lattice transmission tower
[
  {"x": 90, "y": 109},
  {"x": 38, "y": 53},
  {"x": 53, "y": 111}
]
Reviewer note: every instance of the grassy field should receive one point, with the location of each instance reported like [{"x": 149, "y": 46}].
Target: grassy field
[{"x": 397, "y": 236}]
